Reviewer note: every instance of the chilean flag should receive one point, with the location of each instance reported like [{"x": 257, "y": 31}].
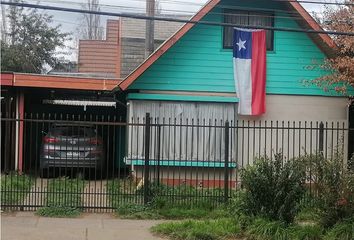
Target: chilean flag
[{"x": 249, "y": 57}]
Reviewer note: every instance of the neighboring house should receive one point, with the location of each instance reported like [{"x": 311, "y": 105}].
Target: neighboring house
[
  {"x": 102, "y": 57},
  {"x": 124, "y": 47},
  {"x": 191, "y": 75},
  {"x": 133, "y": 39}
]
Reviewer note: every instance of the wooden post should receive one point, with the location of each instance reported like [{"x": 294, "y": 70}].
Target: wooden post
[
  {"x": 149, "y": 31},
  {"x": 21, "y": 109}
]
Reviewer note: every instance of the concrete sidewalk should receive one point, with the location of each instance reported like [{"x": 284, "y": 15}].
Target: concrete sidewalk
[{"x": 27, "y": 226}]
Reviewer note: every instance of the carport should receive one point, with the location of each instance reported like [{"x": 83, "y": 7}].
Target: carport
[{"x": 50, "y": 97}]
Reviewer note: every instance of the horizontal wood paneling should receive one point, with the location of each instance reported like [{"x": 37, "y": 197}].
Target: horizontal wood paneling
[
  {"x": 52, "y": 81},
  {"x": 199, "y": 63},
  {"x": 175, "y": 97},
  {"x": 6, "y": 79}
]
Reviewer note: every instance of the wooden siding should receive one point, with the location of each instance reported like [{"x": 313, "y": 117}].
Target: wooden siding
[
  {"x": 176, "y": 97},
  {"x": 63, "y": 82},
  {"x": 199, "y": 63},
  {"x": 102, "y": 56},
  {"x": 6, "y": 79},
  {"x": 133, "y": 54}
]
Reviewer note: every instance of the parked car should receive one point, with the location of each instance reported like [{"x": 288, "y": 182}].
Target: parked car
[{"x": 71, "y": 147}]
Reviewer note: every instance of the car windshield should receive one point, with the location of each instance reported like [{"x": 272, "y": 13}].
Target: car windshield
[{"x": 69, "y": 131}]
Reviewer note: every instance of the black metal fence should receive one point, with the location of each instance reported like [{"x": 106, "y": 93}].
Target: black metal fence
[{"x": 99, "y": 163}]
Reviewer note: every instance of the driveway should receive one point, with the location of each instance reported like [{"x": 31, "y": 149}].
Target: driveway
[{"x": 27, "y": 226}]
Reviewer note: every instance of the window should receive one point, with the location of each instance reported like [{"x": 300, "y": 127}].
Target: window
[
  {"x": 178, "y": 141},
  {"x": 247, "y": 18}
]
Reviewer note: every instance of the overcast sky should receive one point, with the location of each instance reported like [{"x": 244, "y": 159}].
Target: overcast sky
[{"x": 70, "y": 22}]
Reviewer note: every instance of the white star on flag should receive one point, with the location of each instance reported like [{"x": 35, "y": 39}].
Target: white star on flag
[{"x": 241, "y": 44}]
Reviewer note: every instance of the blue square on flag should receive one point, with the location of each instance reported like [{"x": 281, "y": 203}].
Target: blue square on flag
[{"x": 243, "y": 44}]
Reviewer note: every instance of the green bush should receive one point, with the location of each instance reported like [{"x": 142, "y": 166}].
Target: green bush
[
  {"x": 137, "y": 211},
  {"x": 273, "y": 188},
  {"x": 14, "y": 188},
  {"x": 63, "y": 198},
  {"x": 341, "y": 231},
  {"x": 58, "y": 211},
  {"x": 264, "y": 229},
  {"x": 334, "y": 188},
  {"x": 183, "y": 195},
  {"x": 308, "y": 214},
  {"x": 305, "y": 232}
]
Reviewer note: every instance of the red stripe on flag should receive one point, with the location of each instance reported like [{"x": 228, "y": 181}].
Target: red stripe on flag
[{"x": 258, "y": 72}]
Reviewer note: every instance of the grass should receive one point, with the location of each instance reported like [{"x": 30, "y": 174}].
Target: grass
[
  {"x": 123, "y": 191},
  {"x": 14, "y": 188},
  {"x": 228, "y": 227},
  {"x": 341, "y": 231},
  {"x": 63, "y": 198},
  {"x": 257, "y": 229},
  {"x": 263, "y": 229},
  {"x": 308, "y": 214},
  {"x": 166, "y": 202},
  {"x": 134, "y": 211},
  {"x": 224, "y": 228},
  {"x": 306, "y": 232},
  {"x": 58, "y": 211},
  {"x": 209, "y": 222}
]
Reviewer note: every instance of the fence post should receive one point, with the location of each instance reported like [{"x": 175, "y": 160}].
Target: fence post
[
  {"x": 226, "y": 176},
  {"x": 158, "y": 153},
  {"x": 147, "y": 156},
  {"x": 321, "y": 137}
]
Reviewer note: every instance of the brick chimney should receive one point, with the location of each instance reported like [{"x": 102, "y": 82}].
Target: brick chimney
[{"x": 102, "y": 56}]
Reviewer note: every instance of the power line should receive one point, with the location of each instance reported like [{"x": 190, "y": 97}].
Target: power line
[
  {"x": 189, "y": 3},
  {"x": 140, "y": 16},
  {"x": 299, "y": 1},
  {"x": 291, "y": 14},
  {"x": 190, "y": 13},
  {"x": 317, "y": 2}
]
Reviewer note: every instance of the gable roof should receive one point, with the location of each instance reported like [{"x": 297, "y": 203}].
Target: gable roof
[{"x": 323, "y": 41}]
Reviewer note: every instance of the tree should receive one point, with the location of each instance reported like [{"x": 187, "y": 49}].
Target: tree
[
  {"x": 31, "y": 42},
  {"x": 340, "y": 67},
  {"x": 3, "y": 23},
  {"x": 158, "y": 8},
  {"x": 91, "y": 28}
]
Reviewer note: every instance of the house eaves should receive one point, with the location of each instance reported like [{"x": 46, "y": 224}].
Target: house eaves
[{"x": 58, "y": 81}]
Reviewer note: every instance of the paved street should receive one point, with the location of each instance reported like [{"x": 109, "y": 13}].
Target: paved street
[{"x": 27, "y": 226}]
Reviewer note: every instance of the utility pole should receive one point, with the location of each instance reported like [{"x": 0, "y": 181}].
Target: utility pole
[{"x": 149, "y": 33}]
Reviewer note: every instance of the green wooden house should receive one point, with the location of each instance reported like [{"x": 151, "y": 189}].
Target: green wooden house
[{"x": 190, "y": 76}]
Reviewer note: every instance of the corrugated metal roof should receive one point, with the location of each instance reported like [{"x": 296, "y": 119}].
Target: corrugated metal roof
[{"x": 83, "y": 103}]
